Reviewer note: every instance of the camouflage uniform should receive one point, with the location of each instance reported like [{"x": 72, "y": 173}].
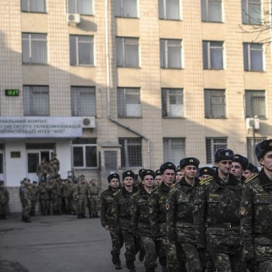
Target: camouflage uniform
[
  {"x": 180, "y": 221},
  {"x": 145, "y": 224},
  {"x": 4, "y": 199},
  {"x": 106, "y": 215},
  {"x": 43, "y": 197},
  {"x": 56, "y": 196},
  {"x": 24, "y": 193},
  {"x": 93, "y": 203},
  {"x": 256, "y": 227},
  {"x": 34, "y": 196},
  {"x": 217, "y": 221}
]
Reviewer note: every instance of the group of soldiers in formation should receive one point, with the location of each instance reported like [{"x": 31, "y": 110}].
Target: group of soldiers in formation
[{"x": 191, "y": 219}]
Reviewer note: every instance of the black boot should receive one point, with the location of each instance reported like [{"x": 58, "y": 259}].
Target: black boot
[{"x": 130, "y": 265}]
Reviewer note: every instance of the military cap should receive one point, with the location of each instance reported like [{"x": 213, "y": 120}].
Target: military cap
[
  {"x": 262, "y": 148},
  {"x": 112, "y": 176},
  {"x": 167, "y": 165},
  {"x": 146, "y": 172},
  {"x": 189, "y": 161},
  {"x": 251, "y": 167},
  {"x": 223, "y": 154},
  {"x": 34, "y": 182},
  {"x": 242, "y": 160},
  {"x": 140, "y": 171},
  {"x": 206, "y": 171},
  {"x": 128, "y": 173},
  {"x": 158, "y": 172}
]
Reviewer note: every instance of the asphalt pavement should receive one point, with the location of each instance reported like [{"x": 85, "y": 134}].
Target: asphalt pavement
[{"x": 56, "y": 243}]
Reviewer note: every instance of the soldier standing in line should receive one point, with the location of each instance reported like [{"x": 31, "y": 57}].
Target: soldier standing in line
[
  {"x": 93, "y": 203},
  {"x": 179, "y": 175},
  {"x": 107, "y": 220},
  {"x": 24, "y": 193},
  {"x": 73, "y": 199},
  {"x": 65, "y": 196},
  {"x": 256, "y": 212},
  {"x": 4, "y": 200},
  {"x": 217, "y": 217},
  {"x": 167, "y": 250},
  {"x": 145, "y": 213},
  {"x": 43, "y": 197},
  {"x": 180, "y": 214},
  {"x": 42, "y": 169},
  {"x": 122, "y": 216},
  {"x": 34, "y": 195},
  {"x": 238, "y": 167},
  {"x": 82, "y": 195},
  {"x": 251, "y": 170},
  {"x": 158, "y": 177}
]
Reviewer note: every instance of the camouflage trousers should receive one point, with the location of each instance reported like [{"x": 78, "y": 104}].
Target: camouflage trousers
[
  {"x": 130, "y": 245},
  {"x": 26, "y": 209},
  {"x": 3, "y": 208},
  {"x": 117, "y": 243},
  {"x": 93, "y": 205},
  {"x": 263, "y": 255},
  {"x": 150, "y": 252},
  {"x": 225, "y": 262}
]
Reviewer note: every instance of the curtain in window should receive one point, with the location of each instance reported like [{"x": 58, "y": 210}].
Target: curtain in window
[
  {"x": 174, "y": 54},
  {"x": 172, "y": 9},
  {"x": 216, "y": 51},
  {"x": 131, "y": 53},
  {"x": 39, "y": 48}
]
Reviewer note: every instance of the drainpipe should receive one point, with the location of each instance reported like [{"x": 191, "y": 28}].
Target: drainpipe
[{"x": 108, "y": 88}]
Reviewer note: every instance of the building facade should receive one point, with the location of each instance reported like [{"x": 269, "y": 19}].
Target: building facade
[{"x": 112, "y": 85}]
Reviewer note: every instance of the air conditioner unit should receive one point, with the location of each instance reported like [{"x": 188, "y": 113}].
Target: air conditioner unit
[
  {"x": 252, "y": 123},
  {"x": 73, "y": 18},
  {"x": 88, "y": 122}
]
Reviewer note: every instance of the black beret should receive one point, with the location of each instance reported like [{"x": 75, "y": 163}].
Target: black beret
[
  {"x": 262, "y": 148},
  {"x": 206, "y": 171},
  {"x": 113, "y": 175},
  {"x": 188, "y": 161},
  {"x": 167, "y": 165},
  {"x": 242, "y": 160},
  {"x": 223, "y": 154},
  {"x": 128, "y": 173},
  {"x": 146, "y": 172},
  {"x": 158, "y": 172},
  {"x": 251, "y": 167}
]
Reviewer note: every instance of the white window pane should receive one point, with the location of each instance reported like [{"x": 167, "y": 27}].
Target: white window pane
[
  {"x": 216, "y": 59},
  {"x": 256, "y": 60},
  {"x": 172, "y": 11},
  {"x": 174, "y": 57},
  {"x": 215, "y": 11},
  {"x": 131, "y": 56},
  {"x": 85, "y": 7}
]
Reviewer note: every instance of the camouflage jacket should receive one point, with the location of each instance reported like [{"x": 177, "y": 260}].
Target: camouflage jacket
[
  {"x": 106, "y": 205},
  {"x": 145, "y": 211},
  {"x": 122, "y": 208},
  {"x": 256, "y": 213},
  {"x": 180, "y": 212},
  {"x": 43, "y": 192},
  {"x": 34, "y": 193},
  {"x": 82, "y": 190},
  {"x": 4, "y": 195},
  {"x": 24, "y": 193},
  {"x": 217, "y": 211}
]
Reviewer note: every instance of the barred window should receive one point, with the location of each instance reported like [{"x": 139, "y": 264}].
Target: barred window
[
  {"x": 81, "y": 6},
  {"x": 213, "y": 144},
  {"x": 126, "y": 8},
  {"x": 83, "y": 101},
  {"x": 215, "y": 103},
  {"x": 251, "y": 12},
  {"x": 213, "y": 55},
  {"x": 170, "y": 9},
  {"x": 173, "y": 149},
  {"x": 34, "y": 48},
  {"x": 211, "y": 10},
  {"x": 131, "y": 152},
  {"x": 170, "y": 53},
  {"x": 172, "y": 103},
  {"x": 36, "y": 100},
  {"x": 253, "y": 57},
  {"x": 33, "y": 5},
  {"x": 255, "y": 103}
]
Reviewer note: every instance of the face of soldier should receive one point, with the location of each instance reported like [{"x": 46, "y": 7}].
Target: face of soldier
[
  {"x": 158, "y": 180},
  {"x": 128, "y": 181},
  {"x": 204, "y": 177},
  {"x": 114, "y": 183},
  {"x": 168, "y": 176},
  {"x": 190, "y": 171},
  {"x": 247, "y": 173},
  {"x": 237, "y": 170},
  {"x": 224, "y": 167},
  {"x": 148, "y": 181},
  {"x": 266, "y": 161},
  {"x": 179, "y": 176}
]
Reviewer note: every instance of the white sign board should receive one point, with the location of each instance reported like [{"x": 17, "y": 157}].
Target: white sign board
[{"x": 40, "y": 127}]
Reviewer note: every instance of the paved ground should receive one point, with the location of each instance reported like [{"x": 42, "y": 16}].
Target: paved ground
[{"x": 56, "y": 244}]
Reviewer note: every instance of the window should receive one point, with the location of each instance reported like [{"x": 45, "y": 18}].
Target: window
[
  {"x": 253, "y": 57},
  {"x": 255, "y": 103},
  {"x": 81, "y": 50},
  {"x": 81, "y": 6},
  {"x": 129, "y": 102},
  {"x": 36, "y": 100},
  {"x": 34, "y": 48},
  {"x": 169, "y": 9},
  {"x": 173, "y": 149},
  {"x": 215, "y": 103},
  {"x": 172, "y": 103},
  {"x": 126, "y": 8},
  {"x": 131, "y": 152},
  {"x": 211, "y": 10},
  {"x": 85, "y": 153},
  {"x": 251, "y": 143},
  {"x": 83, "y": 101},
  {"x": 213, "y": 144},
  {"x": 212, "y": 55},
  {"x": 127, "y": 52},
  {"x": 251, "y": 12},
  {"x": 170, "y": 51},
  {"x": 33, "y": 5}
]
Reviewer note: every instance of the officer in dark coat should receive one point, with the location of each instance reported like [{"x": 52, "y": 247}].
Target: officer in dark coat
[{"x": 256, "y": 212}]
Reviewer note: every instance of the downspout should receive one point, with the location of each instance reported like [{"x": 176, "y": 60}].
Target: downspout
[{"x": 108, "y": 89}]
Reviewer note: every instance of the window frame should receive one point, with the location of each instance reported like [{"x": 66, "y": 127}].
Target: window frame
[
  {"x": 206, "y": 6},
  {"x": 30, "y": 9},
  {"x": 170, "y": 144},
  {"x": 246, "y": 12},
  {"x": 213, "y": 145},
  {"x": 248, "y": 49},
  {"x": 210, "y": 111},
  {"x": 163, "y": 10},
  {"x": 76, "y": 8},
  {"x": 249, "y": 108},
  {"x": 121, "y": 12},
  {"x": 207, "y": 56}
]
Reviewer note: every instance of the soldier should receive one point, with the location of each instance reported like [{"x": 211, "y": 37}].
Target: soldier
[
  {"x": 167, "y": 253},
  {"x": 251, "y": 169},
  {"x": 93, "y": 203},
  {"x": 56, "y": 196},
  {"x": 107, "y": 221},
  {"x": 43, "y": 197},
  {"x": 24, "y": 193},
  {"x": 122, "y": 216},
  {"x": 205, "y": 172},
  {"x": 180, "y": 213},
  {"x": 73, "y": 200},
  {"x": 42, "y": 169},
  {"x": 145, "y": 218},
  {"x": 34, "y": 196},
  {"x": 158, "y": 177},
  {"x": 56, "y": 162},
  {"x": 256, "y": 212},
  {"x": 66, "y": 208},
  {"x": 238, "y": 167},
  {"x": 4, "y": 199},
  {"x": 82, "y": 195},
  {"x": 217, "y": 217},
  {"x": 179, "y": 175}
]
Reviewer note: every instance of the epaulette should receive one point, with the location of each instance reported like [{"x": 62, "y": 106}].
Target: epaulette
[
  {"x": 117, "y": 192},
  {"x": 251, "y": 178},
  {"x": 136, "y": 193},
  {"x": 205, "y": 181},
  {"x": 174, "y": 185}
]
